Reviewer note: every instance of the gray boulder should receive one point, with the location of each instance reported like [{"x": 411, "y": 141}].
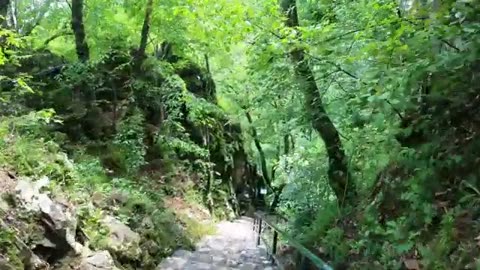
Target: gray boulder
[
  {"x": 100, "y": 260},
  {"x": 59, "y": 218}
]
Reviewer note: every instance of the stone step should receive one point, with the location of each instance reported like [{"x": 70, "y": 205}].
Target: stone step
[{"x": 233, "y": 247}]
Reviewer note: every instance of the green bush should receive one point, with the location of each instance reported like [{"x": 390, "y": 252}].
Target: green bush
[
  {"x": 8, "y": 248},
  {"x": 129, "y": 142}
]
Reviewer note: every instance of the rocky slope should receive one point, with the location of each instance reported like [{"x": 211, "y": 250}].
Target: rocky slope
[
  {"x": 46, "y": 233},
  {"x": 41, "y": 229}
]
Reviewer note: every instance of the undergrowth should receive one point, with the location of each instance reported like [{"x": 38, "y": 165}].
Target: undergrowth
[{"x": 28, "y": 148}]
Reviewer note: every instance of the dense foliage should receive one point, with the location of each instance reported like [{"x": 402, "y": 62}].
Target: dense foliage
[{"x": 359, "y": 117}]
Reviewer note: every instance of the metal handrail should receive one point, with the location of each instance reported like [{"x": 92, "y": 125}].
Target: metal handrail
[{"x": 260, "y": 219}]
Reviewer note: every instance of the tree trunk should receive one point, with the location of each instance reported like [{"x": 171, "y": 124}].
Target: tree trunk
[
  {"x": 233, "y": 198},
  {"x": 13, "y": 23},
  {"x": 276, "y": 198},
  {"x": 78, "y": 29},
  {"x": 279, "y": 190},
  {"x": 263, "y": 159},
  {"x": 339, "y": 176},
  {"x": 140, "y": 55},
  {"x": 4, "y": 5},
  {"x": 208, "y": 189}
]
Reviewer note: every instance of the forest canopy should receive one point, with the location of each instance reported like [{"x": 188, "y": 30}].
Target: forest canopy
[{"x": 360, "y": 118}]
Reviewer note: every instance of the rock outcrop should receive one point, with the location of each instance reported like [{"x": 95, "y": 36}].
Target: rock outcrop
[
  {"x": 100, "y": 260},
  {"x": 42, "y": 232},
  {"x": 58, "y": 219},
  {"x": 121, "y": 239}
]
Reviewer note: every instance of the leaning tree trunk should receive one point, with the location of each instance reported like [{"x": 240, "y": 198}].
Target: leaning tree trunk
[
  {"x": 78, "y": 29},
  {"x": 263, "y": 158},
  {"x": 140, "y": 55},
  {"x": 339, "y": 176},
  {"x": 268, "y": 179}
]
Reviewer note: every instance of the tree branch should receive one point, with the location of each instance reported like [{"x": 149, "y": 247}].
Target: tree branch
[
  {"x": 339, "y": 68},
  {"x": 269, "y": 31},
  {"x": 351, "y": 75},
  {"x": 394, "y": 109},
  {"x": 69, "y": 5},
  {"x": 449, "y": 44},
  {"x": 144, "y": 36},
  {"x": 340, "y": 36},
  {"x": 57, "y": 35},
  {"x": 42, "y": 10}
]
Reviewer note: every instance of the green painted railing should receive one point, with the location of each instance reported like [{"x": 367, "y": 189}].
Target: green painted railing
[{"x": 261, "y": 221}]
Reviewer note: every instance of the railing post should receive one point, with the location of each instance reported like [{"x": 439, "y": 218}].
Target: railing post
[
  {"x": 304, "y": 263},
  {"x": 260, "y": 221},
  {"x": 274, "y": 245},
  {"x": 304, "y": 258}
]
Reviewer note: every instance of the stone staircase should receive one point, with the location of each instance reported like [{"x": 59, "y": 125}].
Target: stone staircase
[{"x": 233, "y": 247}]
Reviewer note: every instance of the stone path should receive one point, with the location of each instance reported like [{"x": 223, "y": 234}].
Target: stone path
[{"x": 233, "y": 247}]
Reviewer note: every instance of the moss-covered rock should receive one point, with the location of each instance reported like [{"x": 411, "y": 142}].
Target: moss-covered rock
[{"x": 121, "y": 240}]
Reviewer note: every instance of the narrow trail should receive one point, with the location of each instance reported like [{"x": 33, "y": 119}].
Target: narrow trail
[{"x": 233, "y": 247}]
